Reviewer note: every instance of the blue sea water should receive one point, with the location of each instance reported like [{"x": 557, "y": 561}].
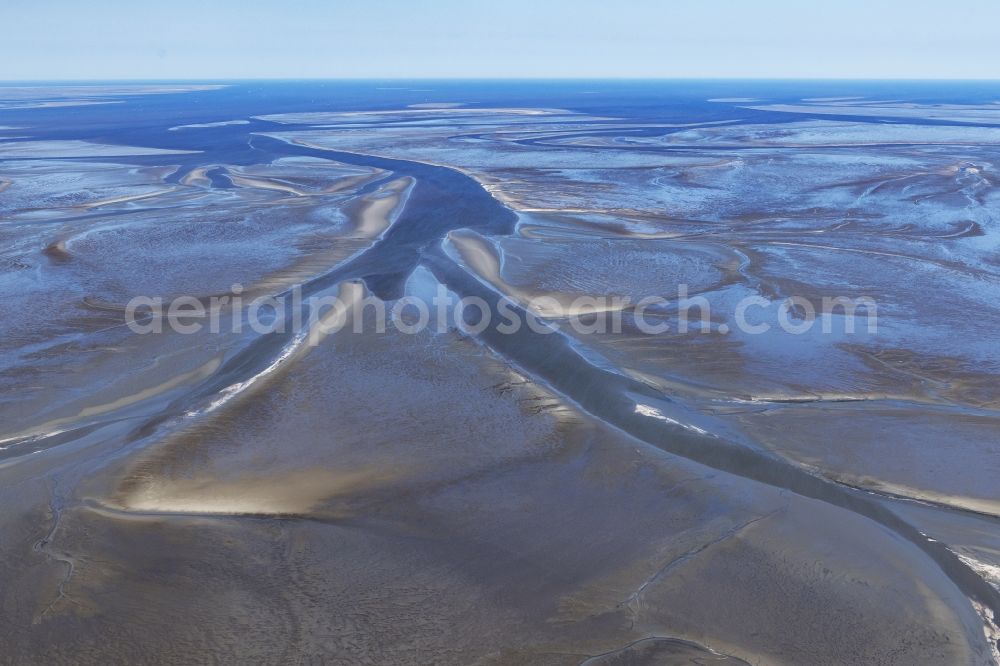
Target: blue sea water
[{"x": 665, "y": 101}]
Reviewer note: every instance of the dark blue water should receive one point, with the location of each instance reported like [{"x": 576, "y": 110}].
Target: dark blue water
[{"x": 653, "y": 101}]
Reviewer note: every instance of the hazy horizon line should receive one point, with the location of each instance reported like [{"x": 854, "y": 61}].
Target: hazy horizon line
[{"x": 507, "y": 79}]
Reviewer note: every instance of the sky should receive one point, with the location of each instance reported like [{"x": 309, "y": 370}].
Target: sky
[{"x": 222, "y": 39}]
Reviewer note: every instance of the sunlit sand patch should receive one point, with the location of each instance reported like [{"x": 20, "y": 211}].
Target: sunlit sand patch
[
  {"x": 618, "y": 226},
  {"x": 197, "y": 177},
  {"x": 377, "y": 211},
  {"x": 367, "y": 218},
  {"x": 985, "y": 506},
  {"x": 349, "y": 294},
  {"x": 222, "y": 123},
  {"x": 265, "y": 184},
  {"x": 294, "y": 492}
]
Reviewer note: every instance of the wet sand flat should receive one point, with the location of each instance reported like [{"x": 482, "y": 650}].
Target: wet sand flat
[{"x": 347, "y": 493}]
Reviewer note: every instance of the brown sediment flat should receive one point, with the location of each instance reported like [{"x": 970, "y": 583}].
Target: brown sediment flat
[
  {"x": 484, "y": 260},
  {"x": 903, "y": 450},
  {"x": 295, "y": 493},
  {"x": 382, "y": 512},
  {"x": 369, "y": 217},
  {"x": 616, "y": 498},
  {"x": 87, "y": 356}
]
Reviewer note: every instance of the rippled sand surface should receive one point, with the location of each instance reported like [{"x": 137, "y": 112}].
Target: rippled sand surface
[{"x": 462, "y": 496}]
